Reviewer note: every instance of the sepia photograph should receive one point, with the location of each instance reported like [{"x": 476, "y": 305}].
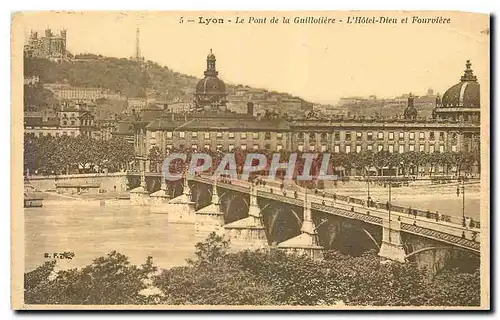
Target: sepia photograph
[{"x": 334, "y": 160}]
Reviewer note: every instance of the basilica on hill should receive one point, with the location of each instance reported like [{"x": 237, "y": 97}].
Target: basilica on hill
[{"x": 454, "y": 126}]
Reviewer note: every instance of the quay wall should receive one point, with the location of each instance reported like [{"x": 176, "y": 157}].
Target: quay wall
[{"x": 107, "y": 182}]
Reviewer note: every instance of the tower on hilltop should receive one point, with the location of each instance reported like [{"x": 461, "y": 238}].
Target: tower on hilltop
[{"x": 138, "y": 56}]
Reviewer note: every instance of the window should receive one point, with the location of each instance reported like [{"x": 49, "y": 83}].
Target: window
[
  {"x": 369, "y": 147},
  {"x": 72, "y": 133},
  {"x": 401, "y": 149},
  {"x": 391, "y": 148},
  {"x": 267, "y": 146},
  {"x": 347, "y": 149},
  {"x": 194, "y": 135},
  {"x": 300, "y": 135},
  {"x": 323, "y": 148},
  {"x": 312, "y": 147},
  {"x": 431, "y": 149},
  {"x": 182, "y": 134},
  {"x": 219, "y": 147},
  {"x": 421, "y": 135},
  {"x": 169, "y": 135},
  {"x": 441, "y": 148},
  {"x": 219, "y": 135},
  {"x": 243, "y": 147},
  {"x": 312, "y": 136},
  {"x": 337, "y": 136},
  {"x": 256, "y": 147},
  {"x": 181, "y": 146},
  {"x": 431, "y": 135},
  {"x": 369, "y": 136},
  {"x": 441, "y": 136},
  {"x": 300, "y": 147},
  {"x": 401, "y": 136},
  {"x": 72, "y": 122},
  {"x": 65, "y": 133},
  {"x": 380, "y": 136},
  {"x": 194, "y": 147},
  {"x": 243, "y": 135},
  {"x": 358, "y": 149},
  {"x": 267, "y": 136},
  {"x": 279, "y": 147},
  {"x": 231, "y": 135},
  {"x": 348, "y": 136},
  {"x": 207, "y": 147},
  {"x": 279, "y": 136},
  {"x": 324, "y": 136},
  {"x": 391, "y": 135},
  {"x": 58, "y": 134},
  {"x": 380, "y": 148},
  {"x": 206, "y": 135},
  {"x": 453, "y": 148},
  {"x": 412, "y": 147},
  {"x": 336, "y": 149},
  {"x": 412, "y": 135},
  {"x": 255, "y": 135},
  {"x": 231, "y": 147},
  {"x": 65, "y": 122},
  {"x": 421, "y": 148},
  {"x": 359, "y": 135}
]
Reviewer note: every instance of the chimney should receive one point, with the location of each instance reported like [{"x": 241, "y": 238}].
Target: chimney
[{"x": 250, "y": 108}]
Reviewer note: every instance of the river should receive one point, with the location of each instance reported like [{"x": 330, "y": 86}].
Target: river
[{"x": 91, "y": 231}]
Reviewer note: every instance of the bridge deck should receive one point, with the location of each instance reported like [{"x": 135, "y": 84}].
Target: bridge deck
[{"x": 438, "y": 230}]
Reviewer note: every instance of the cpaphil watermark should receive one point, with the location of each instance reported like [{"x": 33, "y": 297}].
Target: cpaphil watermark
[{"x": 308, "y": 167}]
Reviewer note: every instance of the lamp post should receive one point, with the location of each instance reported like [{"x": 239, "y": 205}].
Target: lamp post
[
  {"x": 389, "y": 209},
  {"x": 463, "y": 200}
]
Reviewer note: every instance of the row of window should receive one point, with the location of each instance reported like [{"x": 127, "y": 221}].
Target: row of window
[
  {"x": 324, "y": 148},
  {"x": 231, "y": 135},
  {"x": 370, "y": 135},
  {"x": 312, "y": 136}
]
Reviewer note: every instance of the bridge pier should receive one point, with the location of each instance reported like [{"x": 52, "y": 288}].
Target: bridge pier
[
  {"x": 140, "y": 195},
  {"x": 392, "y": 245},
  {"x": 307, "y": 242},
  {"x": 159, "y": 198},
  {"x": 182, "y": 207},
  {"x": 249, "y": 232},
  {"x": 210, "y": 218}
]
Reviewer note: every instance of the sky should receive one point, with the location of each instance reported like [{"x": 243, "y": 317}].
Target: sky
[{"x": 320, "y": 63}]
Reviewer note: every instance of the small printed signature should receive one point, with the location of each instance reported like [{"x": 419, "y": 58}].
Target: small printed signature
[{"x": 60, "y": 255}]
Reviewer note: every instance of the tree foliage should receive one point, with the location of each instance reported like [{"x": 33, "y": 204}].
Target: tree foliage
[
  {"x": 262, "y": 277},
  {"x": 66, "y": 153}
]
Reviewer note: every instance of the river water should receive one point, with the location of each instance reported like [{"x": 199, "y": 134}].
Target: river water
[{"x": 91, "y": 231}]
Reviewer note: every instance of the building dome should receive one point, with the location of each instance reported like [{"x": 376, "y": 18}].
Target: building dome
[
  {"x": 210, "y": 91},
  {"x": 464, "y": 94},
  {"x": 210, "y": 85}
]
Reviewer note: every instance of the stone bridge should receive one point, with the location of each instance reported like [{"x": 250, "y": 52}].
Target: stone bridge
[{"x": 255, "y": 216}]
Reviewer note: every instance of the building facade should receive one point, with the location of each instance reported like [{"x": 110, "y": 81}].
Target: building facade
[{"x": 227, "y": 131}]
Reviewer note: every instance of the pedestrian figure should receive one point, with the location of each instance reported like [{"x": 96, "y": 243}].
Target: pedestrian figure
[
  {"x": 415, "y": 213},
  {"x": 282, "y": 186},
  {"x": 271, "y": 190},
  {"x": 284, "y": 193},
  {"x": 295, "y": 194},
  {"x": 428, "y": 214},
  {"x": 463, "y": 234},
  {"x": 409, "y": 211},
  {"x": 387, "y": 206},
  {"x": 335, "y": 197},
  {"x": 438, "y": 216},
  {"x": 458, "y": 191}
]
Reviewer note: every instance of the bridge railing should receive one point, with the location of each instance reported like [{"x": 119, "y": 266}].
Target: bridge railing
[{"x": 383, "y": 206}]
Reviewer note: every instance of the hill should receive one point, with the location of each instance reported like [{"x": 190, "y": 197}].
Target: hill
[{"x": 131, "y": 78}]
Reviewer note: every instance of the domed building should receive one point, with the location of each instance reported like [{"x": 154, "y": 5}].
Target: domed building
[
  {"x": 460, "y": 102},
  {"x": 211, "y": 91}
]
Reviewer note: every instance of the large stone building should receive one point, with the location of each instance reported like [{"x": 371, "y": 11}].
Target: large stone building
[
  {"x": 220, "y": 129},
  {"x": 64, "y": 91},
  {"x": 51, "y": 46},
  {"x": 70, "y": 119}
]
